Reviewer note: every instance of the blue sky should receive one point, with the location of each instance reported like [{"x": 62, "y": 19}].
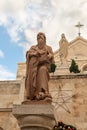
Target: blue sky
[
  {"x": 21, "y": 20},
  {"x": 11, "y": 54}
]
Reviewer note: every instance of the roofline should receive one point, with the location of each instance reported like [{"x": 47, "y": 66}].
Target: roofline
[{"x": 77, "y": 38}]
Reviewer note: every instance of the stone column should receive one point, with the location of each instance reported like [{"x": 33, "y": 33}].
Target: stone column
[{"x": 36, "y": 115}]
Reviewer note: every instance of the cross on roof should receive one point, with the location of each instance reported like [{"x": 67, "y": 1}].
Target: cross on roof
[{"x": 79, "y": 26}]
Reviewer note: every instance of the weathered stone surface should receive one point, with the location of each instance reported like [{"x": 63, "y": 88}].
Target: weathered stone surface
[
  {"x": 21, "y": 71},
  {"x": 8, "y": 121},
  {"x": 35, "y": 116},
  {"x": 34, "y": 128},
  {"x": 82, "y": 125},
  {"x": 11, "y": 92},
  {"x": 71, "y": 85},
  {"x": 9, "y": 87},
  {"x": 46, "y": 109},
  {"x": 76, "y": 86}
]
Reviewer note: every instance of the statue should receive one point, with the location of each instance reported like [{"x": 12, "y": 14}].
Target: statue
[
  {"x": 38, "y": 60},
  {"x": 63, "y": 48}
]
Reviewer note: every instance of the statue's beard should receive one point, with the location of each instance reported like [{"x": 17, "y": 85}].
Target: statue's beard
[{"x": 41, "y": 44}]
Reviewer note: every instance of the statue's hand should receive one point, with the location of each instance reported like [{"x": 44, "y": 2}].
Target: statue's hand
[
  {"x": 43, "y": 59},
  {"x": 49, "y": 56},
  {"x": 41, "y": 52}
]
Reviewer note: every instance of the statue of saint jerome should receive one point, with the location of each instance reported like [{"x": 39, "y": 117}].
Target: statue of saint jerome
[{"x": 38, "y": 60}]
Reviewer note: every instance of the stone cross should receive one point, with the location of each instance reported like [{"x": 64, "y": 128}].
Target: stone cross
[{"x": 79, "y": 26}]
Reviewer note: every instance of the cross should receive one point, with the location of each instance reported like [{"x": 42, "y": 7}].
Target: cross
[{"x": 79, "y": 26}]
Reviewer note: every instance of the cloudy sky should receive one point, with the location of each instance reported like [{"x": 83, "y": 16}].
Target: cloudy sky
[{"x": 21, "y": 20}]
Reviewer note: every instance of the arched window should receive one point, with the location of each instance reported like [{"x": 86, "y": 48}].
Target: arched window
[{"x": 85, "y": 67}]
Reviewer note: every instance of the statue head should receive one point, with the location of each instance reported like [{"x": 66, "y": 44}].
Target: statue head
[
  {"x": 62, "y": 35},
  {"x": 41, "y": 35},
  {"x": 41, "y": 38}
]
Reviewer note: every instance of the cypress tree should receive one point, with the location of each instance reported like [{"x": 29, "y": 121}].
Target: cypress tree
[
  {"x": 74, "y": 67},
  {"x": 52, "y": 68}
]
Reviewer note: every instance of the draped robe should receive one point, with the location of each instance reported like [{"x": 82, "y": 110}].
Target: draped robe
[{"x": 37, "y": 70}]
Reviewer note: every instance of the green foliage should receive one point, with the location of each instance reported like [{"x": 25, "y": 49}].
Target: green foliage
[
  {"x": 62, "y": 126},
  {"x": 52, "y": 68},
  {"x": 74, "y": 67}
]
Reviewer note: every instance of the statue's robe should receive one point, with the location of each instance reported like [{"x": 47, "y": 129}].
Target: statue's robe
[{"x": 37, "y": 70}]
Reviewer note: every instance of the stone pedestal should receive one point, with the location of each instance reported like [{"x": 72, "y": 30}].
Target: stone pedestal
[{"x": 34, "y": 116}]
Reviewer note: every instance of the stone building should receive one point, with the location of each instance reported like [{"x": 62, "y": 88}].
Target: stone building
[{"x": 69, "y": 90}]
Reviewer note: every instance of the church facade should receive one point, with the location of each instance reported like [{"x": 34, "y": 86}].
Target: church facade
[
  {"x": 77, "y": 50},
  {"x": 69, "y": 90}
]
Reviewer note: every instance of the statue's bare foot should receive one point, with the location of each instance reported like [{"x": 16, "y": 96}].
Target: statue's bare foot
[
  {"x": 43, "y": 96},
  {"x": 40, "y": 96}
]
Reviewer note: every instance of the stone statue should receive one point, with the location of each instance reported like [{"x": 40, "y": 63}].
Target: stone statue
[
  {"x": 63, "y": 48},
  {"x": 38, "y": 60}
]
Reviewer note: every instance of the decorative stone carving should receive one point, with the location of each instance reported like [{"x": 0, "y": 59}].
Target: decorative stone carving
[{"x": 63, "y": 50}]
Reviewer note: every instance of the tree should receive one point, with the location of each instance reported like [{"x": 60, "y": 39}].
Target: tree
[
  {"x": 74, "y": 67},
  {"x": 63, "y": 126},
  {"x": 52, "y": 68}
]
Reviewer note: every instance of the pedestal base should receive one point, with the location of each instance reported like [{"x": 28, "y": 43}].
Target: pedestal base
[{"x": 34, "y": 116}]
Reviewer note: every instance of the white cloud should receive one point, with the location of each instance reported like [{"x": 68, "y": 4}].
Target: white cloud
[
  {"x": 49, "y": 16},
  {"x": 5, "y": 74},
  {"x": 1, "y": 54}
]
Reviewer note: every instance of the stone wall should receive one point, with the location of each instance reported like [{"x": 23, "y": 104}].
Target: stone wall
[
  {"x": 8, "y": 121},
  {"x": 69, "y": 94},
  {"x": 71, "y": 99},
  {"x": 21, "y": 71},
  {"x": 11, "y": 92}
]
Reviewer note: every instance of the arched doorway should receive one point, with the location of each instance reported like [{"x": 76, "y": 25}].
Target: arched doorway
[{"x": 84, "y": 68}]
